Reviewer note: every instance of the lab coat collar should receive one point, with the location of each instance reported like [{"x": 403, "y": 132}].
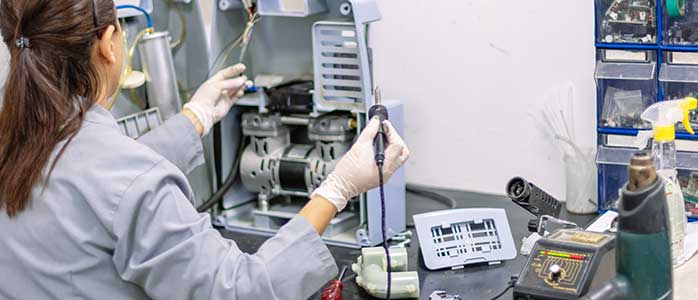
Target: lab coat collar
[{"x": 100, "y": 115}]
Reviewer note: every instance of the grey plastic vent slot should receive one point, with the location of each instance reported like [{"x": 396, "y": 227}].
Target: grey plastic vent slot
[
  {"x": 339, "y": 72},
  {"x": 454, "y": 238},
  {"x": 140, "y": 123}
]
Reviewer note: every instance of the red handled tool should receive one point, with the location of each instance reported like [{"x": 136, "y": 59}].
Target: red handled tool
[{"x": 334, "y": 291}]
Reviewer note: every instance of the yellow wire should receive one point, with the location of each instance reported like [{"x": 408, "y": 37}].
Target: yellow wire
[
  {"x": 240, "y": 41},
  {"x": 129, "y": 61},
  {"x": 183, "y": 32}
]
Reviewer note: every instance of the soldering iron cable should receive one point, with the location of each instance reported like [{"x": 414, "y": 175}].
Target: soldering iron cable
[
  {"x": 385, "y": 237},
  {"x": 380, "y": 113}
]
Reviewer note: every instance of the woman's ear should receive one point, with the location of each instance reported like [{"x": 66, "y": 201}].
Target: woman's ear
[{"x": 106, "y": 45}]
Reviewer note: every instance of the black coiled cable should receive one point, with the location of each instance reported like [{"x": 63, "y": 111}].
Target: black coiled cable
[{"x": 385, "y": 237}]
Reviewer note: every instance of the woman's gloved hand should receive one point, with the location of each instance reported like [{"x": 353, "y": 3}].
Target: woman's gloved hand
[
  {"x": 216, "y": 96},
  {"x": 357, "y": 172}
]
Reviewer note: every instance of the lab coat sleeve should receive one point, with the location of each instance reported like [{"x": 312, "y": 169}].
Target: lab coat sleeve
[
  {"x": 172, "y": 252},
  {"x": 177, "y": 141}
]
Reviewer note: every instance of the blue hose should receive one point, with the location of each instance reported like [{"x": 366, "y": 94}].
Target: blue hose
[{"x": 138, "y": 8}]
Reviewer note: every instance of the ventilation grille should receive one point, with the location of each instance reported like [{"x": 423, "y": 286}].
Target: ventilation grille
[
  {"x": 337, "y": 59},
  {"x": 463, "y": 238},
  {"x": 457, "y": 237},
  {"x": 140, "y": 123}
]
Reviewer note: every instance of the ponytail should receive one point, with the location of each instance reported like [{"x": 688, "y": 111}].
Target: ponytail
[{"x": 51, "y": 85}]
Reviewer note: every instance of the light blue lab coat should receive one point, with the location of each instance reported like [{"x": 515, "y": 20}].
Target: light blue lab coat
[{"x": 115, "y": 222}]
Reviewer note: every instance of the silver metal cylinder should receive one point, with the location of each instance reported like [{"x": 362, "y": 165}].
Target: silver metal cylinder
[{"x": 158, "y": 66}]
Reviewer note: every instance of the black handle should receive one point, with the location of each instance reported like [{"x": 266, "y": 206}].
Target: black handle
[{"x": 381, "y": 112}]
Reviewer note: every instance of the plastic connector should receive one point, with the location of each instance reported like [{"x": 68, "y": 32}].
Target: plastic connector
[{"x": 371, "y": 273}]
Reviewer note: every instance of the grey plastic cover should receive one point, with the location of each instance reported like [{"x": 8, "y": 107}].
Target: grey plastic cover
[
  {"x": 342, "y": 80},
  {"x": 459, "y": 237}
]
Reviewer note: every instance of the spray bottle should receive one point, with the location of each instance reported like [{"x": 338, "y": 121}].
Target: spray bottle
[{"x": 664, "y": 115}]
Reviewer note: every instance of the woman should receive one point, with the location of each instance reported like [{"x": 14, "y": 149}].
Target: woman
[{"x": 87, "y": 213}]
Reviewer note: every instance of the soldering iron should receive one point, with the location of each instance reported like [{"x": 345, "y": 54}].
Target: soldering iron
[{"x": 379, "y": 111}]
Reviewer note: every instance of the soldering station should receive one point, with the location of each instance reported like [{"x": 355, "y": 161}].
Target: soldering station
[{"x": 619, "y": 233}]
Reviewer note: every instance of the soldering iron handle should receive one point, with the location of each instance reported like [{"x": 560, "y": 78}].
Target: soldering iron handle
[
  {"x": 379, "y": 145},
  {"x": 381, "y": 112}
]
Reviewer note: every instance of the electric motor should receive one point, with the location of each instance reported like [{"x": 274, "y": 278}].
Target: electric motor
[{"x": 271, "y": 165}]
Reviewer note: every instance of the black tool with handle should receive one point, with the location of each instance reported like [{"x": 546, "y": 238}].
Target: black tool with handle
[
  {"x": 381, "y": 112},
  {"x": 378, "y": 110}
]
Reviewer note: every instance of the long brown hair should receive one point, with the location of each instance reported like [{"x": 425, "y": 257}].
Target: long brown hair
[{"x": 52, "y": 83}]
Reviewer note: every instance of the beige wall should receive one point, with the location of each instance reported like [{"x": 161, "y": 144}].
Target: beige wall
[{"x": 471, "y": 72}]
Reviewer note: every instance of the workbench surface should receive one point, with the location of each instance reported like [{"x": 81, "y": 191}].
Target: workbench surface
[{"x": 478, "y": 282}]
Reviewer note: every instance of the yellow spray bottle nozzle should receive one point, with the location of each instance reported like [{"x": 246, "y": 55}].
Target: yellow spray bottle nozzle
[{"x": 687, "y": 105}]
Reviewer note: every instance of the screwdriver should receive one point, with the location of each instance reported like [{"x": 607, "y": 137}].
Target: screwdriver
[{"x": 334, "y": 290}]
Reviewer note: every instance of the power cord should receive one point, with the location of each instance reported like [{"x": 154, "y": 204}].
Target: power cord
[
  {"x": 432, "y": 194},
  {"x": 427, "y": 192},
  {"x": 232, "y": 176},
  {"x": 512, "y": 283}
]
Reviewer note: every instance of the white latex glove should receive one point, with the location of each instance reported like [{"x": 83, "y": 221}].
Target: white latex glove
[
  {"x": 216, "y": 96},
  {"x": 357, "y": 172}
]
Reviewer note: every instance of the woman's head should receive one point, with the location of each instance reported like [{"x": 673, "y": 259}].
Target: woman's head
[{"x": 65, "y": 55}]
